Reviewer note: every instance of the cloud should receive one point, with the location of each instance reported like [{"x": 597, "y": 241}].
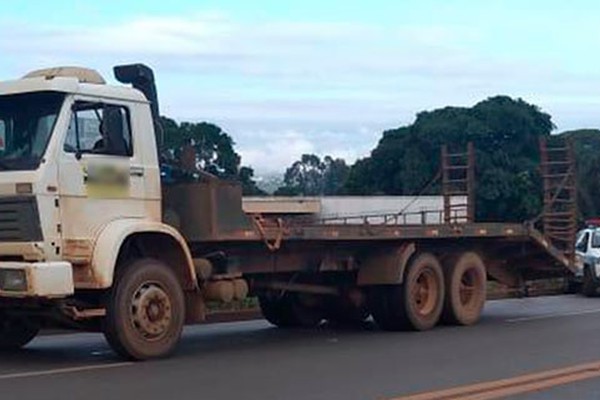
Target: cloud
[
  {"x": 277, "y": 150},
  {"x": 283, "y": 88}
]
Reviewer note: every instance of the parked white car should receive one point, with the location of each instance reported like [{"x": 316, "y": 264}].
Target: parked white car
[{"x": 587, "y": 250}]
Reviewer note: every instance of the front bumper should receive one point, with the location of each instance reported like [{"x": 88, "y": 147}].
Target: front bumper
[{"x": 39, "y": 279}]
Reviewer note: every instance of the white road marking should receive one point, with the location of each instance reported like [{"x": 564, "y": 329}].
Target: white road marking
[
  {"x": 33, "y": 374},
  {"x": 557, "y": 315}
]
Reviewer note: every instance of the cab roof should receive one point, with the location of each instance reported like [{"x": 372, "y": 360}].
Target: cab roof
[{"x": 69, "y": 84}]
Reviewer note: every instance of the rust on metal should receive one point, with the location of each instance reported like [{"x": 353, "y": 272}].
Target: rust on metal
[
  {"x": 273, "y": 244},
  {"x": 257, "y": 244},
  {"x": 209, "y": 210},
  {"x": 458, "y": 180},
  {"x": 78, "y": 251},
  {"x": 89, "y": 313},
  {"x": 385, "y": 265},
  {"x": 83, "y": 276},
  {"x": 559, "y": 215},
  {"x": 298, "y": 287}
]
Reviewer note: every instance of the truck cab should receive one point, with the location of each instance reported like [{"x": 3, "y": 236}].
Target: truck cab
[
  {"x": 69, "y": 166},
  {"x": 80, "y": 193}
]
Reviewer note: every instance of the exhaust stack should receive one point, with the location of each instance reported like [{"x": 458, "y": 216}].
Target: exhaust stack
[{"x": 141, "y": 77}]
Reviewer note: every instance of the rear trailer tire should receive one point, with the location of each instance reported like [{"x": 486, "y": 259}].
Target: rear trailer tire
[
  {"x": 145, "y": 312},
  {"x": 16, "y": 332},
  {"x": 466, "y": 281},
  {"x": 417, "y": 303}
]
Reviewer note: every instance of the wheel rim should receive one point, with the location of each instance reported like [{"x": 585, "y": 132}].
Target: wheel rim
[
  {"x": 151, "y": 311},
  {"x": 425, "y": 292},
  {"x": 469, "y": 284}
]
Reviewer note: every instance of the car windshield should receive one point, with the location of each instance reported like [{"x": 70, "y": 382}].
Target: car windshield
[{"x": 26, "y": 123}]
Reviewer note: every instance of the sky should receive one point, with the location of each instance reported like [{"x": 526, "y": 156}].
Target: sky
[{"x": 285, "y": 78}]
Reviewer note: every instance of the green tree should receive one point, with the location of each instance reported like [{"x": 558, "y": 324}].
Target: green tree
[
  {"x": 335, "y": 175},
  {"x": 311, "y": 176},
  {"x": 586, "y": 144},
  {"x": 505, "y": 132},
  {"x": 213, "y": 151}
]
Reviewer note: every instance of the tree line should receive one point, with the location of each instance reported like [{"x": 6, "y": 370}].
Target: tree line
[{"x": 505, "y": 132}]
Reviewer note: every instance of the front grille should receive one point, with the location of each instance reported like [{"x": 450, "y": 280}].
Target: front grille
[{"x": 19, "y": 219}]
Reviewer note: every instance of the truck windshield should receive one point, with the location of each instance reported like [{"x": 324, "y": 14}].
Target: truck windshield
[{"x": 26, "y": 122}]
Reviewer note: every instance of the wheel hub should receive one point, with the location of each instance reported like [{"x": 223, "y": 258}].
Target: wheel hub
[
  {"x": 423, "y": 293},
  {"x": 469, "y": 288},
  {"x": 151, "y": 311}
]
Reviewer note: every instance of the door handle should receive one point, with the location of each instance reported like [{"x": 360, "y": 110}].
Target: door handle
[{"x": 136, "y": 171}]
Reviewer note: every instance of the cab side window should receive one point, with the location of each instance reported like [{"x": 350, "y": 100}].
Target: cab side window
[
  {"x": 582, "y": 243},
  {"x": 97, "y": 128}
]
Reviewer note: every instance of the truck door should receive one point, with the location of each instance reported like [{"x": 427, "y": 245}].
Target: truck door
[{"x": 101, "y": 178}]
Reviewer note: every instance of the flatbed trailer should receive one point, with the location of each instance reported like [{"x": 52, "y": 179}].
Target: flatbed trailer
[
  {"x": 522, "y": 250},
  {"x": 94, "y": 238},
  {"x": 355, "y": 259}
]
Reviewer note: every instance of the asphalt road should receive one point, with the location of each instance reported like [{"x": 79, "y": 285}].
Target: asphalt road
[{"x": 252, "y": 360}]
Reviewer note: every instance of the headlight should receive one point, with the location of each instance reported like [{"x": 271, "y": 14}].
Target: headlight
[{"x": 13, "y": 280}]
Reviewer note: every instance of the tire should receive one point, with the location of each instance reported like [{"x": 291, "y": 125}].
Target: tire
[
  {"x": 417, "y": 303},
  {"x": 145, "y": 311},
  {"x": 343, "y": 311},
  {"x": 466, "y": 287},
  {"x": 572, "y": 286},
  {"x": 276, "y": 310},
  {"x": 347, "y": 317},
  {"x": 16, "y": 332},
  {"x": 589, "y": 288},
  {"x": 290, "y": 310}
]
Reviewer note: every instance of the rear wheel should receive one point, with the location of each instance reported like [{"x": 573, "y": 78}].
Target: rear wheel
[
  {"x": 348, "y": 310},
  {"x": 146, "y": 311},
  {"x": 16, "y": 332},
  {"x": 290, "y": 310},
  {"x": 275, "y": 310},
  {"x": 347, "y": 315},
  {"x": 417, "y": 303},
  {"x": 571, "y": 285},
  {"x": 466, "y": 281}
]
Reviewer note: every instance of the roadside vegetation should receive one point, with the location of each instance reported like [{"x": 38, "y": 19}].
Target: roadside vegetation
[{"x": 505, "y": 132}]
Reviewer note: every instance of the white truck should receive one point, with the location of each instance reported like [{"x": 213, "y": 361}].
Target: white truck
[{"x": 92, "y": 239}]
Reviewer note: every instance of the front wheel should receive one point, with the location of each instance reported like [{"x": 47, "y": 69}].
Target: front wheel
[
  {"x": 16, "y": 332},
  {"x": 145, "y": 312}
]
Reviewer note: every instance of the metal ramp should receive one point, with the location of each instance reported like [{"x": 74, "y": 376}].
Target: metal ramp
[
  {"x": 559, "y": 215},
  {"x": 458, "y": 185}
]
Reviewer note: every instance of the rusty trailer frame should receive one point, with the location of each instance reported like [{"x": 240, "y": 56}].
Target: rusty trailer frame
[{"x": 253, "y": 244}]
